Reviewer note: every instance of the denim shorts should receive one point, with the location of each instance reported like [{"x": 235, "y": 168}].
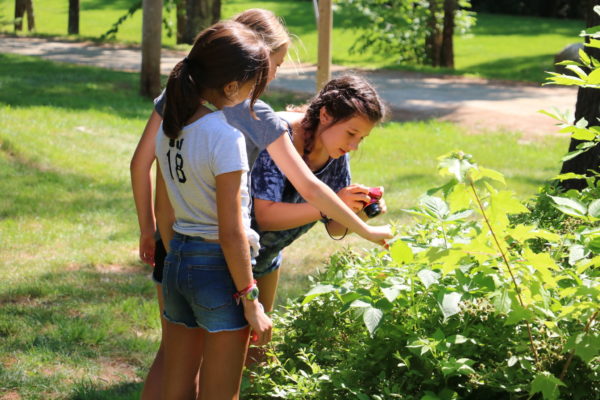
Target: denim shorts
[{"x": 198, "y": 288}]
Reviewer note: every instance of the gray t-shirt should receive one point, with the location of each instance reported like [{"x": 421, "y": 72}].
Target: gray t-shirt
[
  {"x": 189, "y": 164},
  {"x": 259, "y": 132}
]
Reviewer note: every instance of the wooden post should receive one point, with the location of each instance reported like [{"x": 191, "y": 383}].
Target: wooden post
[
  {"x": 325, "y": 24},
  {"x": 151, "y": 48}
]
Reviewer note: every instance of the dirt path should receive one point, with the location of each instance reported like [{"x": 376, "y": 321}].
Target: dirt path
[{"x": 478, "y": 104}]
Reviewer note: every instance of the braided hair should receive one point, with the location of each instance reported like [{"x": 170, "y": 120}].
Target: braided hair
[{"x": 343, "y": 98}]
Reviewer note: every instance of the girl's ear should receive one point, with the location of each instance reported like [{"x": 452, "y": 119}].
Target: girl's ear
[
  {"x": 231, "y": 89},
  {"x": 324, "y": 117}
]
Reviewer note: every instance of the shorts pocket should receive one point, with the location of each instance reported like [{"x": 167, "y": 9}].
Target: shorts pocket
[{"x": 211, "y": 286}]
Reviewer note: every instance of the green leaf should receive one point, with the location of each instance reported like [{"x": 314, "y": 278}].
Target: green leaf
[
  {"x": 391, "y": 293},
  {"x": 569, "y": 206},
  {"x": 576, "y": 253},
  {"x": 571, "y": 155},
  {"x": 580, "y": 73},
  {"x": 557, "y": 79},
  {"x": 502, "y": 301},
  {"x": 317, "y": 291},
  {"x": 459, "y": 215},
  {"x": 401, "y": 252},
  {"x": 428, "y": 277},
  {"x": 586, "y": 346},
  {"x": 435, "y": 207},
  {"x": 430, "y": 396},
  {"x": 569, "y": 175},
  {"x": 459, "y": 198},
  {"x": 450, "y": 304},
  {"x": 507, "y": 201},
  {"x": 462, "y": 366},
  {"x": 594, "y": 208},
  {"x": 594, "y": 77},
  {"x": 583, "y": 56},
  {"x": 372, "y": 317},
  {"x": 547, "y": 384},
  {"x": 491, "y": 174},
  {"x": 594, "y": 245}
]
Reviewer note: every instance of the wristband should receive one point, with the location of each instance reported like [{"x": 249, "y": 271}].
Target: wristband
[{"x": 250, "y": 292}]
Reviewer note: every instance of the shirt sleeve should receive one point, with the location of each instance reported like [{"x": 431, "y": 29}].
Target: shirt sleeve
[
  {"x": 159, "y": 103},
  {"x": 262, "y": 131},
  {"x": 229, "y": 153},
  {"x": 267, "y": 179}
]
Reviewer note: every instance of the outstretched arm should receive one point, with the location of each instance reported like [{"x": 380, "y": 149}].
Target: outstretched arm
[
  {"x": 284, "y": 154},
  {"x": 141, "y": 184}
]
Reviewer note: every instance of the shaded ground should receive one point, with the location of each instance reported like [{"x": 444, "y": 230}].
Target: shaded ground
[{"x": 479, "y": 105}]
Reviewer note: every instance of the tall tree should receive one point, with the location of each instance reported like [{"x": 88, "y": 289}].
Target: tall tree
[
  {"x": 447, "y": 50},
  {"x": 434, "y": 39},
  {"x": 588, "y": 107},
  {"x": 151, "y": 46},
  {"x": 73, "y": 17},
  {"x": 413, "y": 31},
  {"x": 23, "y": 7},
  {"x": 199, "y": 14}
]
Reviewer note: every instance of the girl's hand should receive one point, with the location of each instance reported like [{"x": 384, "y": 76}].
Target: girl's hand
[
  {"x": 355, "y": 196},
  {"x": 379, "y": 234},
  {"x": 147, "y": 249},
  {"x": 260, "y": 323},
  {"x": 383, "y": 207}
]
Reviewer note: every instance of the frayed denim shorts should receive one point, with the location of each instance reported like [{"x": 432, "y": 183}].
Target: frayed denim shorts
[{"x": 198, "y": 288}]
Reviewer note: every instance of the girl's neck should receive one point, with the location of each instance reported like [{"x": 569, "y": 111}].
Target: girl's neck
[{"x": 211, "y": 101}]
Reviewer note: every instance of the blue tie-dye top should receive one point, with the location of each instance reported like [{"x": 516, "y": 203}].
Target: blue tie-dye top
[{"x": 269, "y": 183}]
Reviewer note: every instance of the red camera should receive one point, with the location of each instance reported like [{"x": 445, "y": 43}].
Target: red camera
[{"x": 372, "y": 208}]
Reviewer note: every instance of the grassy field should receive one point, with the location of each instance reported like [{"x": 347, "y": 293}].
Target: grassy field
[
  {"x": 499, "y": 46},
  {"x": 78, "y": 318}
]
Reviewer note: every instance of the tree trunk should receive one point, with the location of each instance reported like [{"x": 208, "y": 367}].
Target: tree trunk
[
  {"x": 181, "y": 20},
  {"x": 151, "y": 45},
  {"x": 19, "y": 14},
  {"x": 588, "y": 107},
  {"x": 433, "y": 42},
  {"x": 73, "y": 17},
  {"x": 30, "y": 15},
  {"x": 23, "y": 7},
  {"x": 448, "y": 34},
  {"x": 199, "y": 14}
]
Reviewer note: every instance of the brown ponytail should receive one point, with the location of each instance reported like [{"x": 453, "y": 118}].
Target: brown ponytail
[{"x": 226, "y": 52}]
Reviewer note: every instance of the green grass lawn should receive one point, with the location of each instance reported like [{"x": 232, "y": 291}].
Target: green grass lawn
[
  {"x": 78, "y": 317},
  {"x": 499, "y": 46}
]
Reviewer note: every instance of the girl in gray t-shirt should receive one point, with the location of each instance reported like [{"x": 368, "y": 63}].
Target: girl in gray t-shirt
[{"x": 208, "y": 285}]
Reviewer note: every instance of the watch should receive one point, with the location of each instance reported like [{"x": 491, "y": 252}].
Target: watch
[
  {"x": 252, "y": 294},
  {"x": 249, "y": 293}
]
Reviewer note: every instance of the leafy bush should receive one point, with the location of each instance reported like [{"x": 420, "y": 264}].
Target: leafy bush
[
  {"x": 483, "y": 298},
  {"x": 461, "y": 307}
]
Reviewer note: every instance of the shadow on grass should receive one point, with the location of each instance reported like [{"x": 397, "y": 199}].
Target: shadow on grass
[
  {"x": 71, "y": 194},
  {"x": 32, "y": 82},
  {"x": 122, "y": 391}
]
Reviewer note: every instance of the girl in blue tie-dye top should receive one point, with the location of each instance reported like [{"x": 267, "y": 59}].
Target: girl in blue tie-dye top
[{"x": 334, "y": 123}]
